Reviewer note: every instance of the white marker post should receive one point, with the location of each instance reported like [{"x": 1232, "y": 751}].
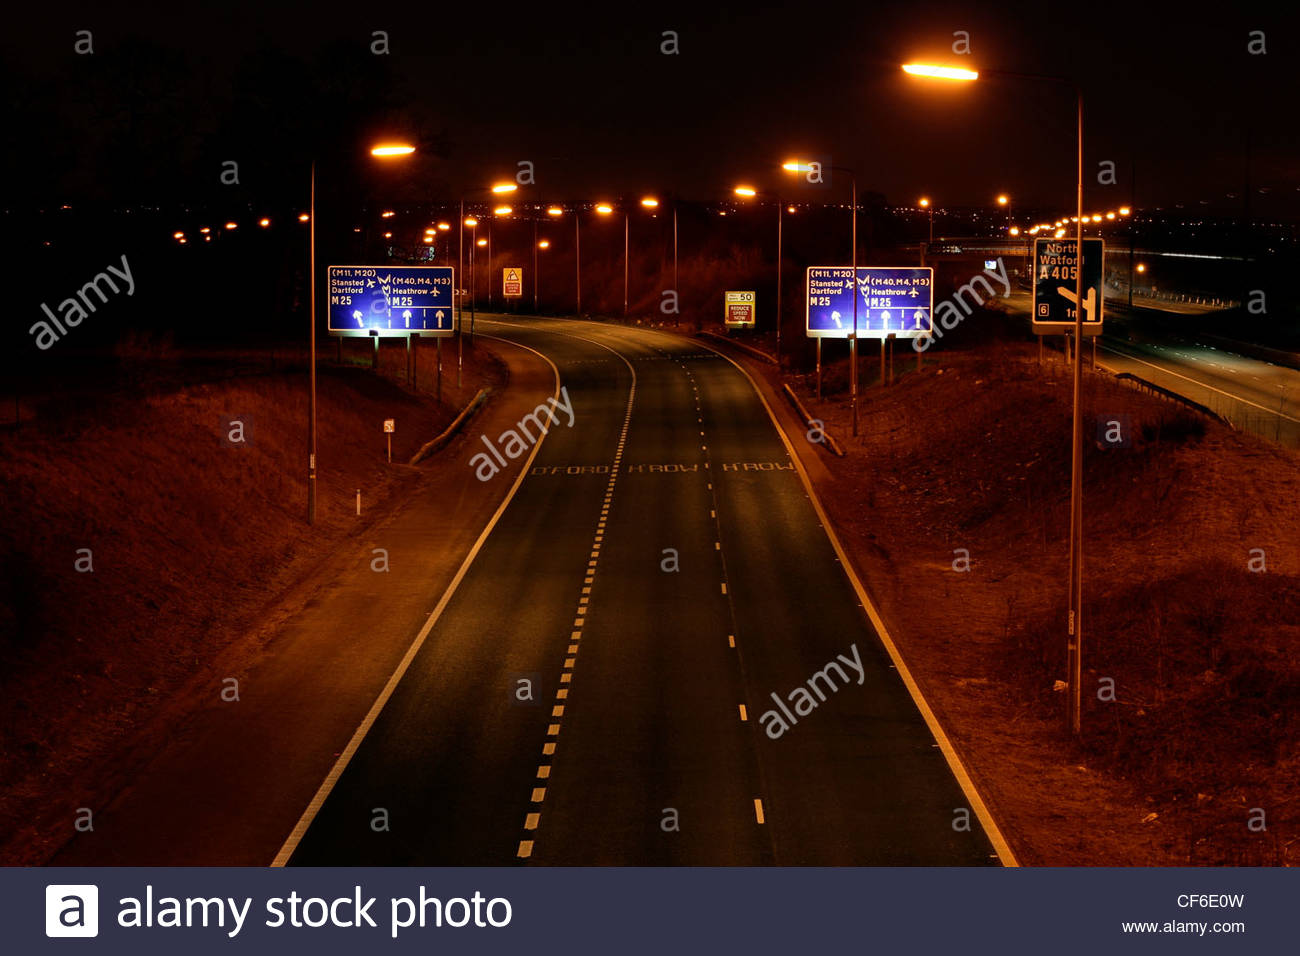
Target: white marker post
[{"x": 390, "y": 426}]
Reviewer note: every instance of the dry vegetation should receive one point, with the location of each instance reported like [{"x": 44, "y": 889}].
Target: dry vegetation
[
  {"x": 189, "y": 538},
  {"x": 973, "y": 453}
]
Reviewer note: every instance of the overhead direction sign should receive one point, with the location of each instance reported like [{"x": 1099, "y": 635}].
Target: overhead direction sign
[
  {"x": 1054, "y": 285},
  {"x": 738, "y": 309},
  {"x": 512, "y": 282},
  {"x": 895, "y": 301},
  {"x": 390, "y": 300}
]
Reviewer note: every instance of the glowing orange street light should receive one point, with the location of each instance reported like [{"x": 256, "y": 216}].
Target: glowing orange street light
[
  {"x": 747, "y": 191},
  {"x": 264, "y": 222},
  {"x": 387, "y": 214},
  {"x": 650, "y": 202},
  {"x": 232, "y": 225},
  {"x": 482, "y": 242},
  {"x": 1096, "y": 217},
  {"x": 205, "y": 230},
  {"x": 1141, "y": 267},
  {"x": 388, "y": 235},
  {"x": 1124, "y": 210},
  {"x": 428, "y": 238},
  {"x": 544, "y": 244},
  {"x": 1003, "y": 200},
  {"x": 1015, "y": 231},
  {"x": 444, "y": 227},
  {"x": 1110, "y": 215},
  {"x": 604, "y": 208},
  {"x": 940, "y": 72},
  {"x": 303, "y": 217},
  {"x": 789, "y": 209},
  {"x": 924, "y": 203},
  {"x": 502, "y": 211},
  {"x": 471, "y": 221},
  {"x": 183, "y": 240},
  {"x": 178, "y": 235},
  {"x": 554, "y": 211},
  {"x": 505, "y": 188},
  {"x": 428, "y": 231},
  {"x": 392, "y": 149}
]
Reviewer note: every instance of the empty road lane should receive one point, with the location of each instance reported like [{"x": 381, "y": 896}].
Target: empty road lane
[{"x": 656, "y": 657}]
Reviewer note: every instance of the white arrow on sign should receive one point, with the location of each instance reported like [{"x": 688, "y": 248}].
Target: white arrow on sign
[
  {"x": 1089, "y": 301},
  {"x": 407, "y": 315},
  {"x": 438, "y": 314}
]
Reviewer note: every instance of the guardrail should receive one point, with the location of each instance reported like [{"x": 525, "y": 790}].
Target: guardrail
[
  {"x": 428, "y": 448},
  {"x": 1143, "y": 383},
  {"x": 829, "y": 439}
]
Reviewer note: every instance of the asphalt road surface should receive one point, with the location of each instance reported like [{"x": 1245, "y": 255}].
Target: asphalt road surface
[
  {"x": 1254, "y": 395},
  {"x": 659, "y": 573}
]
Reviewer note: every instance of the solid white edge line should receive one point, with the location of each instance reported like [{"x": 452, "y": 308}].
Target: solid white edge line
[
  {"x": 332, "y": 778},
  {"x": 1000, "y": 845}
]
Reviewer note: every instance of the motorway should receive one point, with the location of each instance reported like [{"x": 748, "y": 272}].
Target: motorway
[
  {"x": 1253, "y": 395},
  {"x": 658, "y": 574}
]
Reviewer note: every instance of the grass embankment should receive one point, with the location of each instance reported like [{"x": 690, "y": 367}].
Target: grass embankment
[
  {"x": 1196, "y": 746},
  {"x": 189, "y": 535}
]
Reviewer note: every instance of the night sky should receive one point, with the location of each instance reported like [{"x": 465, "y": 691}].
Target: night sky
[{"x": 173, "y": 90}]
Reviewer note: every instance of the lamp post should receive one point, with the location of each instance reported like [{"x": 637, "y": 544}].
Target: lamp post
[
  {"x": 541, "y": 244},
  {"x": 929, "y": 207},
  {"x": 497, "y": 189},
  {"x": 385, "y": 150},
  {"x": 1074, "y": 635},
  {"x": 748, "y": 192},
  {"x": 795, "y": 166}
]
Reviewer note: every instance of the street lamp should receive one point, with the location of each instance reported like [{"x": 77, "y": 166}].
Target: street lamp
[
  {"x": 925, "y": 204},
  {"x": 1074, "y": 640},
  {"x": 749, "y": 192},
  {"x": 795, "y": 166},
  {"x": 538, "y": 244},
  {"x": 496, "y": 189},
  {"x": 382, "y": 150}
]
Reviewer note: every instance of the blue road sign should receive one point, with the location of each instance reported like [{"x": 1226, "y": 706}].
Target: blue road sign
[
  {"x": 898, "y": 301},
  {"x": 1054, "y": 285},
  {"x": 391, "y": 300}
]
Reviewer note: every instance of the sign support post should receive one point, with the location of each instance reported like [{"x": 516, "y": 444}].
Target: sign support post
[{"x": 819, "y": 368}]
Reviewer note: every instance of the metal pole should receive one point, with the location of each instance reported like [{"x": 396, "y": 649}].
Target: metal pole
[
  {"x": 677, "y": 294},
  {"x": 460, "y": 314},
  {"x": 1075, "y": 636},
  {"x": 853, "y": 282},
  {"x": 625, "y": 234},
  {"x": 311, "y": 357},
  {"x": 473, "y": 286},
  {"x": 1132, "y": 204},
  {"x": 819, "y": 367},
  {"x": 535, "y": 276},
  {"x": 410, "y": 361},
  {"x": 438, "y": 340},
  {"x": 780, "y": 218},
  {"x": 882, "y": 362},
  {"x": 577, "y": 253},
  {"x": 489, "y": 249}
]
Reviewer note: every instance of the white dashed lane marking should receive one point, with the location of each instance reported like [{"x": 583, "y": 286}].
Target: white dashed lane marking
[{"x": 533, "y": 819}]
